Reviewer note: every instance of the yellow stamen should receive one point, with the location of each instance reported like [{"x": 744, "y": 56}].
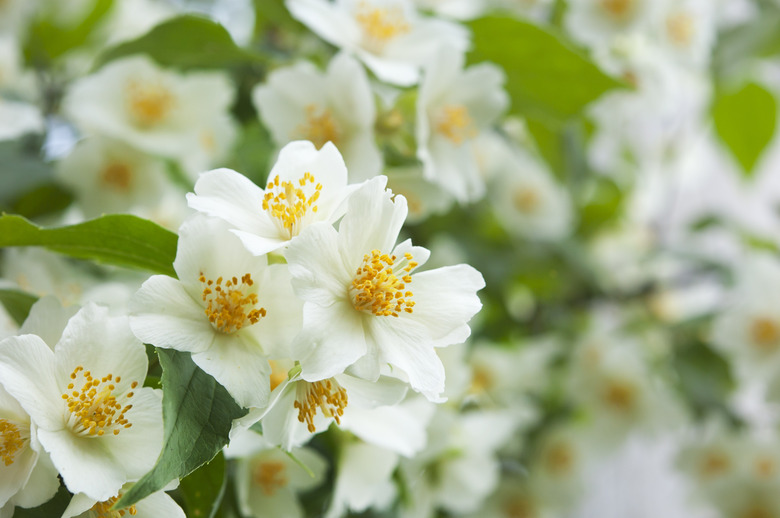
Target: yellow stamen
[
  {"x": 318, "y": 128},
  {"x": 103, "y": 509},
  {"x": 270, "y": 475},
  {"x": 117, "y": 176},
  {"x": 148, "y": 103},
  {"x": 620, "y": 395},
  {"x": 714, "y": 463},
  {"x": 94, "y": 409},
  {"x": 618, "y": 9},
  {"x": 454, "y": 122},
  {"x": 380, "y": 24},
  {"x": 559, "y": 458},
  {"x": 229, "y": 306},
  {"x": 765, "y": 468},
  {"x": 377, "y": 289},
  {"x": 680, "y": 27},
  {"x": 290, "y": 202},
  {"x": 765, "y": 333},
  {"x": 14, "y": 439},
  {"x": 327, "y": 395},
  {"x": 526, "y": 200}
]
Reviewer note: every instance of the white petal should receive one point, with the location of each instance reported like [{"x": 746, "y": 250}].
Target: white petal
[
  {"x": 47, "y": 319},
  {"x": 158, "y": 505},
  {"x": 41, "y": 486},
  {"x": 136, "y": 448},
  {"x": 362, "y": 473},
  {"x": 371, "y": 394},
  {"x": 390, "y": 427},
  {"x": 326, "y": 21}
]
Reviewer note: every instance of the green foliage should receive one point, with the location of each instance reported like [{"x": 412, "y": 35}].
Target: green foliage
[
  {"x": 54, "y": 507},
  {"x": 704, "y": 376},
  {"x": 186, "y": 42},
  {"x": 121, "y": 240},
  {"x": 547, "y": 77},
  {"x": 760, "y": 38},
  {"x": 17, "y": 303},
  {"x": 22, "y": 169},
  {"x": 197, "y": 415},
  {"x": 204, "y": 488},
  {"x": 745, "y": 120}
]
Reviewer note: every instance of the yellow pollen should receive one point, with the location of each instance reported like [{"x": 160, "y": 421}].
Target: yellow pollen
[
  {"x": 454, "y": 122},
  {"x": 377, "y": 288},
  {"x": 327, "y": 395},
  {"x": 318, "y": 128},
  {"x": 757, "y": 511},
  {"x": 12, "y": 441},
  {"x": 765, "y": 333},
  {"x": 117, "y": 176},
  {"x": 714, "y": 463},
  {"x": 94, "y": 409},
  {"x": 289, "y": 202},
  {"x": 229, "y": 307},
  {"x": 559, "y": 458},
  {"x": 103, "y": 509},
  {"x": 526, "y": 200},
  {"x": 270, "y": 476},
  {"x": 680, "y": 28},
  {"x": 765, "y": 468},
  {"x": 148, "y": 103},
  {"x": 380, "y": 24},
  {"x": 481, "y": 380},
  {"x": 618, "y": 9},
  {"x": 519, "y": 508},
  {"x": 620, "y": 395}
]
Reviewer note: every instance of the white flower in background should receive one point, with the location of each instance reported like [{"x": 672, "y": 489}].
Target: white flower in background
[
  {"x": 155, "y": 110},
  {"x": 365, "y": 306},
  {"x": 455, "y": 9},
  {"x": 301, "y": 103},
  {"x": 389, "y": 36},
  {"x": 228, "y": 308},
  {"x": 423, "y": 198},
  {"x": 305, "y": 186},
  {"x": 557, "y": 467},
  {"x": 513, "y": 499},
  {"x": 686, "y": 30},
  {"x": 100, "y": 427},
  {"x": 597, "y": 22},
  {"x": 18, "y": 119},
  {"x": 527, "y": 201},
  {"x": 537, "y": 10},
  {"x": 268, "y": 481},
  {"x": 14, "y": 16},
  {"x": 131, "y": 19},
  {"x": 453, "y": 107},
  {"x": 108, "y": 176},
  {"x": 153, "y": 506}
]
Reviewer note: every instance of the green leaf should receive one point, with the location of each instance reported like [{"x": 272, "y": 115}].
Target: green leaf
[
  {"x": 22, "y": 170},
  {"x": 745, "y": 121},
  {"x": 204, "y": 488},
  {"x": 755, "y": 39},
  {"x": 54, "y": 507},
  {"x": 197, "y": 415},
  {"x": 547, "y": 77},
  {"x": 185, "y": 42},
  {"x": 44, "y": 199},
  {"x": 17, "y": 303},
  {"x": 118, "y": 239}
]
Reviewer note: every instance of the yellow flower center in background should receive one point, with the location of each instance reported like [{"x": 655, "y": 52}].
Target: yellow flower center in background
[
  {"x": 117, "y": 176},
  {"x": 13, "y": 440},
  {"x": 559, "y": 458},
  {"x": 765, "y": 333},
  {"x": 454, "y": 122},
  {"x": 765, "y": 468},
  {"x": 380, "y": 25},
  {"x": 229, "y": 307},
  {"x": 377, "y": 289},
  {"x": 148, "y": 103},
  {"x": 288, "y": 203},
  {"x": 526, "y": 200},
  {"x": 270, "y": 475},
  {"x": 327, "y": 395},
  {"x": 680, "y": 27},
  {"x": 618, "y": 9},
  {"x": 93, "y": 408},
  {"x": 103, "y": 509},
  {"x": 319, "y": 128},
  {"x": 518, "y": 508},
  {"x": 620, "y": 395},
  {"x": 714, "y": 463},
  {"x": 757, "y": 511}
]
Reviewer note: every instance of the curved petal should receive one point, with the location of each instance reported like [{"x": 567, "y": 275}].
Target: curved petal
[{"x": 231, "y": 196}]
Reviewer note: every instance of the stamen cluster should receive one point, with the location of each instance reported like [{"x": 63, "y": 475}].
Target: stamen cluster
[
  {"x": 455, "y": 123},
  {"x": 270, "y": 476},
  {"x": 327, "y": 395},
  {"x": 12, "y": 441},
  {"x": 94, "y": 407},
  {"x": 319, "y": 128},
  {"x": 103, "y": 509},
  {"x": 377, "y": 288},
  {"x": 289, "y": 203},
  {"x": 229, "y": 306},
  {"x": 148, "y": 103},
  {"x": 381, "y": 24}
]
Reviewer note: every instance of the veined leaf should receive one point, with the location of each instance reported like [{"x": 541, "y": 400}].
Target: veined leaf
[
  {"x": 118, "y": 239},
  {"x": 204, "y": 488}
]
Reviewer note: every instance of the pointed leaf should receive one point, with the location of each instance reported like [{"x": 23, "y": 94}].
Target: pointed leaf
[{"x": 17, "y": 303}]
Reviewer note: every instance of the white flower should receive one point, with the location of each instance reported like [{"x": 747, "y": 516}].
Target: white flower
[
  {"x": 389, "y": 36},
  {"x": 424, "y": 198},
  {"x": 366, "y": 306},
  {"x": 18, "y": 118},
  {"x": 686, "y": 29},
  {"x": 453, "y": 107},
  {"x": 596, "y": 22},
  {"x": 155, "y": 110},
  {"x": 153, "y": 506},
  {"x": 228, "y": 308},
  {"x": 305, "y": 186},
  {"x": 302, "y": 103},
  {"x": 98, "y": 424}
]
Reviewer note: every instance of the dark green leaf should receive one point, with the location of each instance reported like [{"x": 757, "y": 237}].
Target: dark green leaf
[
  {"x": 54, "y": 507},
  {"x": 197, "y": 415},
  {"x": 22, "y": 169},
  {"x": 704, "y": 376},
  {"x": 122, "y": 240},
  {"x": 185, "y": 42},
  {"x": 17, "y": 303},
  {"x": 44, "y": 199},
  {"x": 759, "y": 37},
  {"x": 547, "y": 77},
  {"x": 204, "y": 488},
  {"x": 745, "y": 121}
]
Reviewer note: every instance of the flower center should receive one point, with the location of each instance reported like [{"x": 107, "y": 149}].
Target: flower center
[
  {"x": 559, "y": 458},
  {"x": 617, "y": 9},
  {"x": 377, "y": 289},
  {"x": 380, "y": 25},
  {"x": 714, "y": 463},
  {"x": 680, "y": 28},
  {"x": 526, "y": 200},
  {"x": 319, "y": 128},
  {"x": 765, "y": 333},
  {"x": 620, "y": 395},
  {"x": 454, "y": 122},
  {"x": 757, "y": 511},
  {"x": 148, "y": 103},
  {"x": 13, "y": 440},
  {"x": 103, "y": 509},
  {"x": 765, "y": 468},
  {"x": 289, "y": 203},
  {"x": 117, "y": 176},
  {"x": 229, "y": 307},
  {"x": 93, "y": 408},
  {"x": 270, "y": 475},
  {"x": 327, "y": 395}
]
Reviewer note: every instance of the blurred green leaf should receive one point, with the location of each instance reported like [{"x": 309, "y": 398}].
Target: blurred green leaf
[
  {"x": 745, "y": 120},
  {"x": 550, "y": 144},
  {"x": 204, "y": 488},
  {"x": 185, "y": 42},
  {"x": 758, "y": 38},
  {"x": 44, "y": 199},
  {"x": 601, "y": 207},
  {"x": 547, "y": 77},
  {"x": 17, "y": 303},
  {"x": 704, "y": 376},
  {"x": 21, "y": 169},
  {"x": 122, "y": 240},
  {"x": 197, "y": 414}
]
